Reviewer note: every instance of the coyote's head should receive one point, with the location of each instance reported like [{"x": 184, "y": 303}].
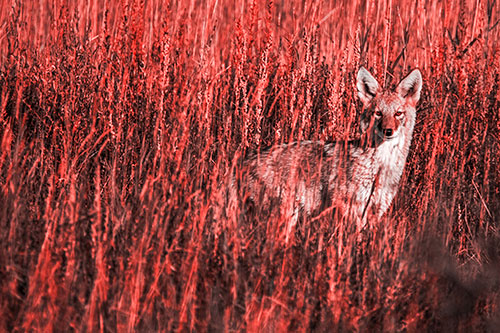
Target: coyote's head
[{"x": 387, "y": 113}]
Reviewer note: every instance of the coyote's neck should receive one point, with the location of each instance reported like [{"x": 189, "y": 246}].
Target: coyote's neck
[
  {"x": 376, "y": 172},
  {"x": 388, "y": 152}
]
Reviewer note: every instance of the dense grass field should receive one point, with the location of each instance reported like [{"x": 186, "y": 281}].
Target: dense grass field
[{"x": 120, "y": 121}]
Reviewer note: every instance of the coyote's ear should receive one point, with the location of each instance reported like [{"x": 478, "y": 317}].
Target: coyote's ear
[
  {"x": 367, "y": 86},
  {"x": 409, "y": 88}
]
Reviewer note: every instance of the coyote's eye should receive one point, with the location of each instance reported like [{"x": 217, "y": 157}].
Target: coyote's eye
[
  {"x": 398, "y": 114},
  {"x": 378, "y": 114}
]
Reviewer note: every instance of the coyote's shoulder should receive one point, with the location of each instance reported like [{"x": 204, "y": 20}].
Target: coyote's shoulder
[{"x": 359, "y": 178}]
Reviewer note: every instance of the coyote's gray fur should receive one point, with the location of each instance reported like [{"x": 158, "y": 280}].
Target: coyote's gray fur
[{"x": 357, "y": 179}]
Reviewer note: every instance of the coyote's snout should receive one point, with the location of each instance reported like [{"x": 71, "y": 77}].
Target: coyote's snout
[{"x": 357, "y": 179}]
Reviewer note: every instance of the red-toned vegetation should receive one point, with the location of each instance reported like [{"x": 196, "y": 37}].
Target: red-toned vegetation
[{"x": 120, "y": 119}]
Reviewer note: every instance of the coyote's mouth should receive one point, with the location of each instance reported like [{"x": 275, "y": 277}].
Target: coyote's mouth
[{"x": 386, "y": 137}]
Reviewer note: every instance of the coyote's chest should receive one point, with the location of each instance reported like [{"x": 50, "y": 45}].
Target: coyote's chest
[{"x": 375, "y": 177}]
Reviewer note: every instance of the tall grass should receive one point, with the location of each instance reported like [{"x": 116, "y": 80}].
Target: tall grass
[{"x": 120, "y": 120}]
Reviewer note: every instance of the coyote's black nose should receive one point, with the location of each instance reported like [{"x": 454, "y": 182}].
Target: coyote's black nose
[{"x": 388, "y": 132}]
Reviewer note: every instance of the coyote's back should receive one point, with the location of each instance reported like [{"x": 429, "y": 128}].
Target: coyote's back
[{"x": 358, "y": 179}]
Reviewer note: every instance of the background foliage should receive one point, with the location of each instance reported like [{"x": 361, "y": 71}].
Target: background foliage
[{"x": 120, "y": 120}]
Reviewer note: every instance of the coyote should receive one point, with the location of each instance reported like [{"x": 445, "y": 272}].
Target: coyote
[{"x": 356, "y": 179}]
